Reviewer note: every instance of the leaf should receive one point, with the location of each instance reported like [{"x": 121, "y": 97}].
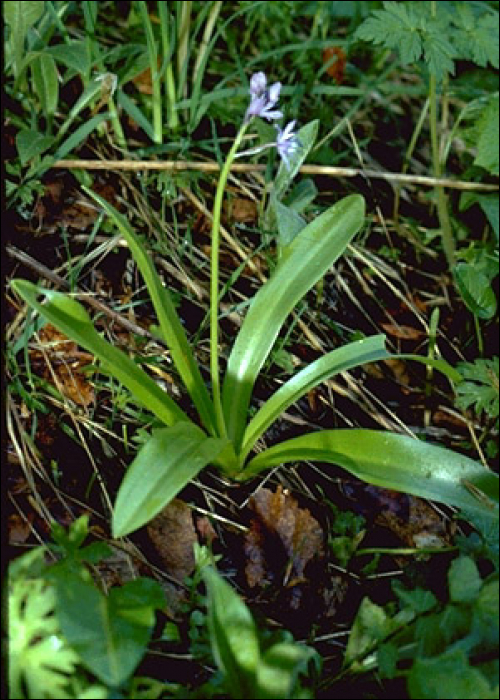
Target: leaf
[
  {"x": 371, "y": 625},
  {"x": 302, "y": 195},
  {"x": 46, "y": 83},
  {"x": 488, "y": 141},
  {"x": 395, "y": 462},
  {"x": 109, "y": 633},
  {"x": 481, "y": 386},
  {"x": 40, "y": 660},
  {"x": 296, "y": 529},
  {"x": 339, "y": 360},
  {"x": 173, "y": 535},
  {"x": 170, "y": 325},
  {"x": 396, "y": 27},
  {"x": 31, "y": 144},
  {"x": 476, "y": 291},
  {"x": 448, "y": 675},
  {"x": 309, "y": 256},
  {"x": 233, "y": 636},
  {"x": 464, "y": 580},
  {"x": 288, "y": 221},
  {"x": 74, "y": 56},
  {"x": 279, "y": 670},
  {"x": 162, "y": 467},
  {"x": 135, "y": 113},
  {"x": 20, "y": 15},
  {"x": 72, "y": 319},
  {"x": 476, "y": 38},
  {"x": 79, "y": 135},
  {"x": 490, "y": 205}
]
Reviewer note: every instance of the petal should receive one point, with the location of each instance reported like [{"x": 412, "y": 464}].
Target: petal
[
  {"x": 275, "y": 114},
  {"x": 258, "y": 83},
  {"x": 274, "y": 93}
]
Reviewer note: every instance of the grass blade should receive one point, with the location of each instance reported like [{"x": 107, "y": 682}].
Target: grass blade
[{"x": 170, "y": 325}]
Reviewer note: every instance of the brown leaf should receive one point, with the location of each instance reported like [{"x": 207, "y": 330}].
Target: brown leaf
[
  {"x": 173, "y": 535},
  {"x": 403, "y": 332},
  {"x": 296, "y": 529},
  {"x": 336, "y": 69},
  {"x": 65, "y": 361},
  {"x": 242, "y": 211}
]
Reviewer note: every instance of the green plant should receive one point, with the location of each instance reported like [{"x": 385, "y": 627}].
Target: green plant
[
  {"x": 252, "y": 666},
  {"x": 60, "y": 622},
  {"x": 177, "y": 452},
  {"x": 439, "y": 34},
  {"x": 479, "y": 390},
  {"x": 443, "y": 648}
]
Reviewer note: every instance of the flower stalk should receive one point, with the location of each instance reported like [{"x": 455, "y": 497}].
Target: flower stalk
[{"x": 214, "y": 281}]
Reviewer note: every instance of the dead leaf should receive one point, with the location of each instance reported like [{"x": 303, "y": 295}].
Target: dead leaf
[
  {"x": 403, "y": 332},
  {"x": 299, "y": 533},
  {"x": 336, "y": 69},
  {"x": 173, "y": 535},
  {"x": 65, "y": 362},
  {"x": 241, "y": 211}
]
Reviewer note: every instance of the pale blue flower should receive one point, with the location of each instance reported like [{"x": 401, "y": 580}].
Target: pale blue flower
[
  {"x": 287, "y": 142},
  {"x": 263, "y": 99}
]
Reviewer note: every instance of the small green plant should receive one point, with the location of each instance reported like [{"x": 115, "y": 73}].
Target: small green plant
[
  {"x": 60, "y": 622},
  {"x": 444, "y": 648},
  {"x": 438, "y": 34},
  {"x": 480, "y": 388},
  {"x": 176, "y": 453},
  {"x": 252, "y": 665}
]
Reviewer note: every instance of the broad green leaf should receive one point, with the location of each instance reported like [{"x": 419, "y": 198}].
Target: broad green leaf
[
  {"x": 394, "y": 462},
  {"x": 109, "y": 633},
  {"x": 233, "y": 636},
  {"x": 464, "y": 580},
  {"x": 307, "y": 138},
  {"x": 279, "y": 670},
  {"x": 448, "y": 675},
  {"x": 370, "y": 627},
  {"x": 163, "y": 466},
  {"x": 20, "y": 16},
  {"x": 309, "y": 256},
  {"x": 489, "y": 204},
  {"x": 31, "y": 144},
  {"x": 488, "y": 141},
  {"x": 288, "y": 221},
  {"x": 339, "y": 360},
  {"x": 171, "y": 327},
  {"x": 45, "y": 82},
  {"x": 476, "y": 291},
  {"x": 302, "y": 195},
  {"x": 74, "y": 56},
  {"x": 71, "y": 318}
]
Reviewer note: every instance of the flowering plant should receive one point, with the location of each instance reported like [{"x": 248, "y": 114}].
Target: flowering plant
[{"x": 177, "y": 452}]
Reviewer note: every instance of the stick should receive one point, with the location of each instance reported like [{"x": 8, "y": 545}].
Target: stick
[{"x": 176, "y": 166}]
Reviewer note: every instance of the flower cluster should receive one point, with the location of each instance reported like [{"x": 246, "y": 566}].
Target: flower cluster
[{"x": 262, "y": 104}]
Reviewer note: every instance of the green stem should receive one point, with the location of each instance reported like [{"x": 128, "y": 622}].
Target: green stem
[
  {"x": 173, "y": 119},
  {"x": 479, "y": 336},
  {"x": 214, "y": 282},
  {"x": 442, "y": 205},
  {"x": 153, "y": 67}
]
